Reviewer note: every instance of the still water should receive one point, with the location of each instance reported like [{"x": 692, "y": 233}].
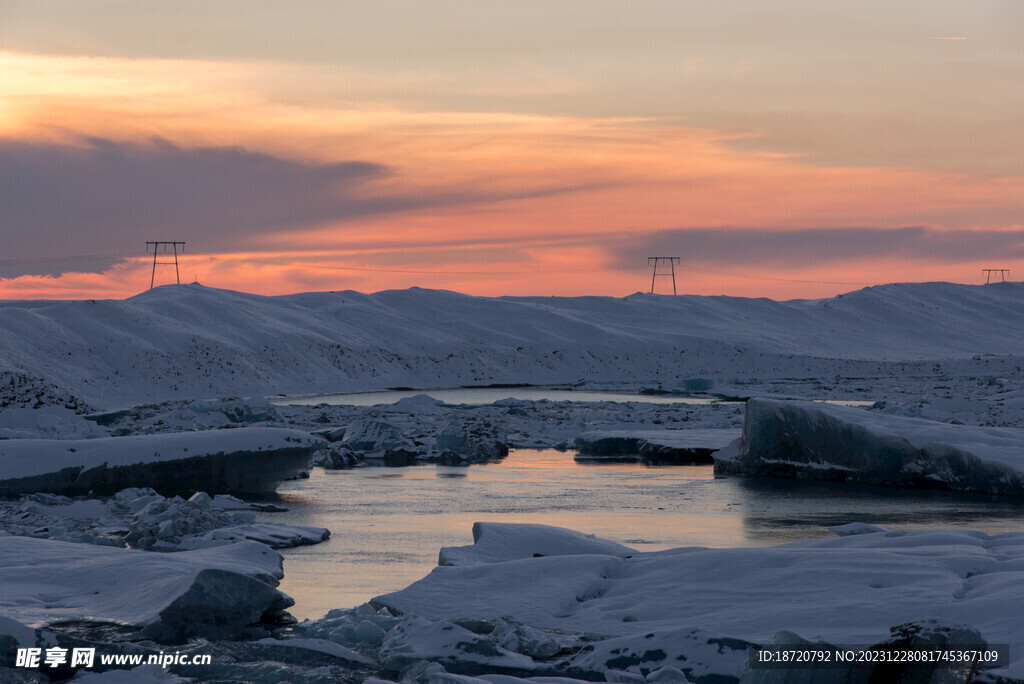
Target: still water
[
  {"x": 387, "y": 524},
  {"x": 478, "y": 396}
]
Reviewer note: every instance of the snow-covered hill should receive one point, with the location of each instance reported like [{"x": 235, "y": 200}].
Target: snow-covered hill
[{"x": 192, "y": 341}]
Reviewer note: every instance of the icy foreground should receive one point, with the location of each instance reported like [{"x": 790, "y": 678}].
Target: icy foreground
[
  {"x": 697, "y": 609},
  {"x": 528, "y": 601},
  {"x": 824, "y": 442},
  {"x": 166, "y": 597},
  {"x": 238, "y": 461},
  {"x": 188, "y": 341}
]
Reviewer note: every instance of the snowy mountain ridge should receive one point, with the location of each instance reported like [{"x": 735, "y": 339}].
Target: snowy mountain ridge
[{"x": 193, "y": 341}]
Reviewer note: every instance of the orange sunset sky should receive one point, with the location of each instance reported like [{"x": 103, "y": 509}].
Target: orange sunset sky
[{"x": 780, "y": 149}]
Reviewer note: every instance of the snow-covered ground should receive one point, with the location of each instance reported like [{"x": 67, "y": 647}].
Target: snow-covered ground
[
  {"x": 188, "y": 341},
  {"x": 644, "y": 611},
  {"x": 94, "y": 386}
]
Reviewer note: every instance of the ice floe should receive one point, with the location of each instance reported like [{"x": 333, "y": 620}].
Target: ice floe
[
  {"x": 694, "y": 445},
  {"x": 494, "y": 542},
  {"x": 848, "y": 590},
  {"x": 240, "y": 461},
  {"x": 824, "y": 442},
  {"x": 217, "y": 591},
  {"x": 143, "y": 519}
]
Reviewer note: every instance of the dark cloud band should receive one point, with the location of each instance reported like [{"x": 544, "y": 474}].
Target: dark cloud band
[
  {"x": 98, "y": 195},
  {"x": 780, "y": 247}
]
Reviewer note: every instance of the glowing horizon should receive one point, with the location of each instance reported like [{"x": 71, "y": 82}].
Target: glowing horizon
[{"x": 481, "y": 151}]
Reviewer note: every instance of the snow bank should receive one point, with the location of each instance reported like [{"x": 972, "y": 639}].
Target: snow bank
[
  {"x": 240, "y": 461},
  {"x": 825, "y": 442},
  {"x": 167, "y": 597},
  {"x": 844, "y": 590}
]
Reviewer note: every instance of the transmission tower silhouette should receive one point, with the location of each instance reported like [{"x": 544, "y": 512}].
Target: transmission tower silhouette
[
  {"x": 168, "y": 247},
  {"x": 1003, "y": 272},
  {"x": 663, "y": 260}
]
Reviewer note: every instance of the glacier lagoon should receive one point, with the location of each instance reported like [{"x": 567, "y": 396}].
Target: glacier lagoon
[
  {"x": 479, "y": 396},
  {"x": 389, "y": 523}
]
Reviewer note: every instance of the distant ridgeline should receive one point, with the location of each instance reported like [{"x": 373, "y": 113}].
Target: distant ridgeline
[{"x": 183, "y": 341}]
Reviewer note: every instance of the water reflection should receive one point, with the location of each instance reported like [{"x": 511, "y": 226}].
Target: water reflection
[
  {"x": 388, "y": 524},
  {"x": 785, "y": 509}
]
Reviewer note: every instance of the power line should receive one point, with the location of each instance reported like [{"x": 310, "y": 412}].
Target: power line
[
  {"x": 1003, "y": 272},
  {"x": 156, "y": 248},
  {"x": 671, "y": 261},
  {"x": 733, "y": 274},
  {"x": 530, "y": 272},
  {"x": 68, "y": 258}
]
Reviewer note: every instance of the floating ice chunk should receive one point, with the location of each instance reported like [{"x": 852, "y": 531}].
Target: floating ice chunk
[
  {"x": 242, "y": 460},
  {"x": 536, "y": 643},
  {"x": 226, "y": 502},
  {"x": 693, "y": 445},
  {"x": 274, "y": 535},
  {"x": 471, "y": 441},
  {"x": 495, "y": 542},
  {"x": 446, "y": 643},
  {"x": 249, "y": 410},
  {"x": 336, "y": 457},
  {"x": 373, "y": 435},
  {"x": 355, "y": 626},
  {"x": 167, "y": 597},
  {"x": 174, "y": 524},
  {"x": 836, "y": 443},
  {"x": 320, "y": 646},
  {"x": 202, "y": 500},
  {"x": 419, "y": 404},
  {"x": 369, "y": 633}
]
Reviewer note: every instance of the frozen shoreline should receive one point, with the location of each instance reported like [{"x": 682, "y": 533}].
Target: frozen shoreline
[{"x": 528, "y": 600}]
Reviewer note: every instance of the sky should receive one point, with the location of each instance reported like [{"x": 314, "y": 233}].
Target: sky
[{"x": 783, "y": 149}]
